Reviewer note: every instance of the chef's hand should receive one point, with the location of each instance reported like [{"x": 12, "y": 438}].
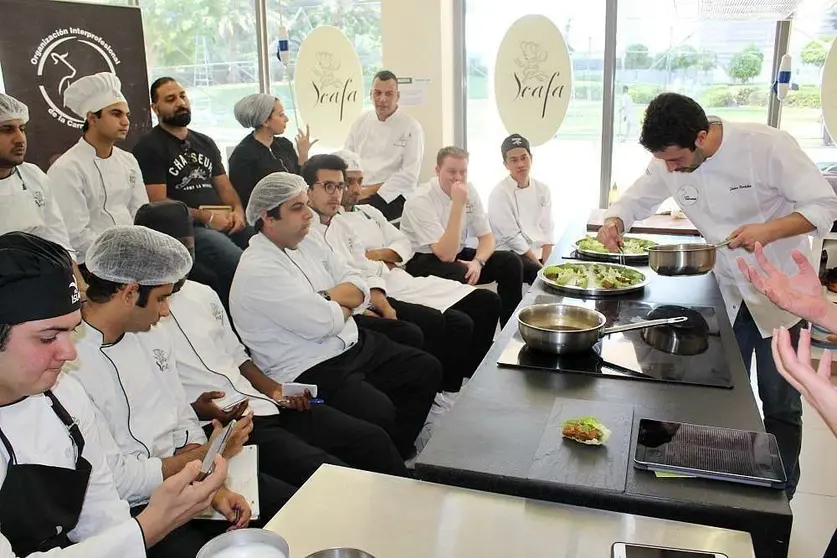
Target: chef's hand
[
  {"x": 232, "y": 506},
  {"x": 795, "y": 366},
  {"x": 387, "y": 311},
  {"x": 294, "y": 402},
  {"x": 220, "y": 221},
  {"x": 800, "y": 294},
  {"x": 610, "y": 234},
  {"x": 304, "y": 143},
  {"x": 472, "y": 272},
  {"x": 180, "y": 498},
  {"x": 206, "y": 409},
  {"x": 378, "y": 301},
  {"x": 238, "y": 437},
  {"x": 237, "y": 220},
  {"x": 369, "y": 313},
  {"x": 746, "y": 236},
  {"x": 459, "y": 192}
]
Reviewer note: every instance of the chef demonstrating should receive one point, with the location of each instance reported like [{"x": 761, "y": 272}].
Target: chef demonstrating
[
  {"x": 520, "y": 210},
  {"x": 380, "y": 249},
  {"x": 128, "y": 369},
  {"x": 216, "y": 373},
  {"x": 98, "y": 185},
  {"x": 292, "y": 302},
  {"x": 57, "y": 496},
  {"x": 442, "y": 218},
  {"x": 391, "y": 143},
  {"x": 746, "y": 183}
]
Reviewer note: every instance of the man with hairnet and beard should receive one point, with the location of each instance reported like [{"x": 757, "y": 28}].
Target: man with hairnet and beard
[
  {"x": 27, "y": 199},
  {"x": 182, "y": 164},
  {"x": 128, "y": 369},
  {"x": 292, "y": 302}
]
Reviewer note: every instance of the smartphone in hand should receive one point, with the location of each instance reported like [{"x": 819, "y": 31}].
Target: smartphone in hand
[{"x": 217, "y": 447}]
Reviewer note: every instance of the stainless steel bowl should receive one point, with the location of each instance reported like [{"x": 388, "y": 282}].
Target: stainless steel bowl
[
  {"x": 241, "y": 540},
  {"x": 340, "y": 553},
  {"x": 682, "y": 259}
]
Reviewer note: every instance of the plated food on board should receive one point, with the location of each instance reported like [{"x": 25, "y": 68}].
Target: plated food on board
[
  {"x": 632, "y": 247},
  {"x": 586, "y": 430}
]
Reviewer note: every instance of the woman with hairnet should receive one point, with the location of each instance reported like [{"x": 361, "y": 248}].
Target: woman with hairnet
[
  {"x": 264, "y": 151},
  {"x": 292, "y": 302},
  {"x": 128, "y": 369}
]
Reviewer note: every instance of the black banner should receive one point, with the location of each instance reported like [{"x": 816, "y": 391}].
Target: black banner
[{"x": 45, "y": 45}]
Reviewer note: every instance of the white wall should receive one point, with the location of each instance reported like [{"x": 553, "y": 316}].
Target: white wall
[{"x": 417, "y": 38}]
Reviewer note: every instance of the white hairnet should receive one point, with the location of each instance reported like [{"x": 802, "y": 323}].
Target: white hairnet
[
  {"x": 272, "y": 191},
  {"x": 253, "y": 110},
  {"x": 351, "y": 159},
  {"x": 93, "y": 93},
  {"x": 134, "y": 254},
  {"x": 12, "y": 109}
]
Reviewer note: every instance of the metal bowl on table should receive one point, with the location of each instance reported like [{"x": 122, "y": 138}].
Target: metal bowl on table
[
  {"x": 246, "y": 543},
  {"x": 340, "y": 553}
]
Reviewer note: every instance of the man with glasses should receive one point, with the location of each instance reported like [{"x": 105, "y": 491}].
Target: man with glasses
[
  {"x": 744, "y": 183},
  {"x": 181, "y": 164}
]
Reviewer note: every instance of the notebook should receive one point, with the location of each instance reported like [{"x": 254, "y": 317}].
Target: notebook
[{"x": 242, "y": 478}]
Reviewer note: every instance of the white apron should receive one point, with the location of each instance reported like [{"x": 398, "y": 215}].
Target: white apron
[{"x": 19, "y": 211}]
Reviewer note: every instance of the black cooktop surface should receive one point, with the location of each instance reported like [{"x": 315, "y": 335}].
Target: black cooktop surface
[{"x": 687, "y": 353}]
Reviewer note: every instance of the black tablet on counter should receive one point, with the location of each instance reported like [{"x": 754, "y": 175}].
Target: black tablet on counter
[{"x": 710, "y": 452}]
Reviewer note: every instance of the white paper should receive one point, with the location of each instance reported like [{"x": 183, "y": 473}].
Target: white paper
[
  {"x": 291, "y": 389},
  {"x": 413, "y": 91},
  {"x": 242, "y": 478}
]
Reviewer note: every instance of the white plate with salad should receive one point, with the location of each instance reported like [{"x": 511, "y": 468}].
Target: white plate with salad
[
  {"x": 633, "y": 248},
  {"x": 593, "y": 278}
]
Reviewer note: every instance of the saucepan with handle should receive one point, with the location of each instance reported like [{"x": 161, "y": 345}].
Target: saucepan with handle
[
  {"x": 683, "y": 259},
  {"x": 563, "y": 328}
]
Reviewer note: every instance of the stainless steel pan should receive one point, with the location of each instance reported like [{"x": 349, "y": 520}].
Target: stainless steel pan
[
  {"x": 683, "y": 259},
  {"x": 563, "y": 328}
]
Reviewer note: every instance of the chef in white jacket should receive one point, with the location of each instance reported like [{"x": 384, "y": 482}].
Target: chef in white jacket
[
  {"x": 745, "y": 183},
  {"x": 391, "y": 143},
  {"x": 97, "y": 184},
  {"x": 292, "y": 303},
  {"x": 520, "y": 209},
  {"x": 57, "y": 494},
  {"x": 374, "y": 246},
  {"x": 128, "y": 368}
]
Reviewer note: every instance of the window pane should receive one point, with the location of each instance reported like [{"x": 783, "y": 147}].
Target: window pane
[
  {"x": 360, "y": 21},
  {"x": 210, "y": 47},
  {"x": 812, "y": 33},
  {"x": 570, "y": 162},
  {"x": 724, "y": 65}
]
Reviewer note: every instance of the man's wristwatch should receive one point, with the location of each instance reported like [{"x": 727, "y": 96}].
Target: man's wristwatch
[
  {"x": 325, "y": 295},
  {"x": 480, "y": 261}
]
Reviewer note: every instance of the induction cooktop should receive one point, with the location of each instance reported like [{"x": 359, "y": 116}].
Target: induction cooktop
[{"x": 688, "y": 353}]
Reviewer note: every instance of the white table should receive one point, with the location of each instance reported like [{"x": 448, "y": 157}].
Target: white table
[{"x": 391, "y": 517}]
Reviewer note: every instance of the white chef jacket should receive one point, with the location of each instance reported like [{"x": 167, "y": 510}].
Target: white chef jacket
[
  {"x": 207, "y": 351},
  {"x": 42, "y": 217},
  {"x": 758, "y": 174},
  {"x": 391, "y": 151},
  {"x": 143, "y": 413},
  {"x": 426, "y": 216},
  {"x": 96, "y": 193},
  {"x": 105, "y": 528},
  {"x": 278, "y": 311},
  {"x": 353, "y": 233},
  {"x": 521, "y": 218}
]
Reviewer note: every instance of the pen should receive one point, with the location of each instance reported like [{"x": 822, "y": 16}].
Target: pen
[{"x": 237, "y": 511}]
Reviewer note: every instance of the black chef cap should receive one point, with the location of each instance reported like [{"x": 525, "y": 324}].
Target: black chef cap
[
  {"x": 512, "y": 142},
  {"x": 169, "y": 217},
  {"x": 36, "y": 279}
]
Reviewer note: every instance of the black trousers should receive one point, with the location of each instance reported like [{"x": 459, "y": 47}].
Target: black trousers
[
  {"x": 450, "y": 335},
  {"x": 503, "y": 267},
  {"x": 392, "y": 210},
  {"x": 831, "y": 551},
  {"x": 382, "y": 382},
  {"x": 404, "y": 332},
  {"x": 188, "y": 539},
  {"x": 530, "y": 269}
]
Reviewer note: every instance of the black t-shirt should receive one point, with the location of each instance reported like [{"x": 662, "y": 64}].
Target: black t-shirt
[
  {"x": 186, "y": 167},
  {"x": 252, "y": 160}
]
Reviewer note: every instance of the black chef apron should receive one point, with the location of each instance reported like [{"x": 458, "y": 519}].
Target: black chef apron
[{"x": 40, "y": 504}]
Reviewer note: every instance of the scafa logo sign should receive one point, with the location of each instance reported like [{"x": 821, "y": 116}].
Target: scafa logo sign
[
  {"x": 533, "y": 79},
  {"x": 329, "y": 84},
  {"x": 64, "y": 56}
]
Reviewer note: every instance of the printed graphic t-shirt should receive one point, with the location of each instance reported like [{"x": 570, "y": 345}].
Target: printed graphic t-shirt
[{"x": 186, "y": 167}]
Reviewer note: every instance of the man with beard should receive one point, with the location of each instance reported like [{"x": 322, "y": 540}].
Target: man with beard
[
  {"x": 181, "y": 164},
  {"x": 99, "y": 185}
]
